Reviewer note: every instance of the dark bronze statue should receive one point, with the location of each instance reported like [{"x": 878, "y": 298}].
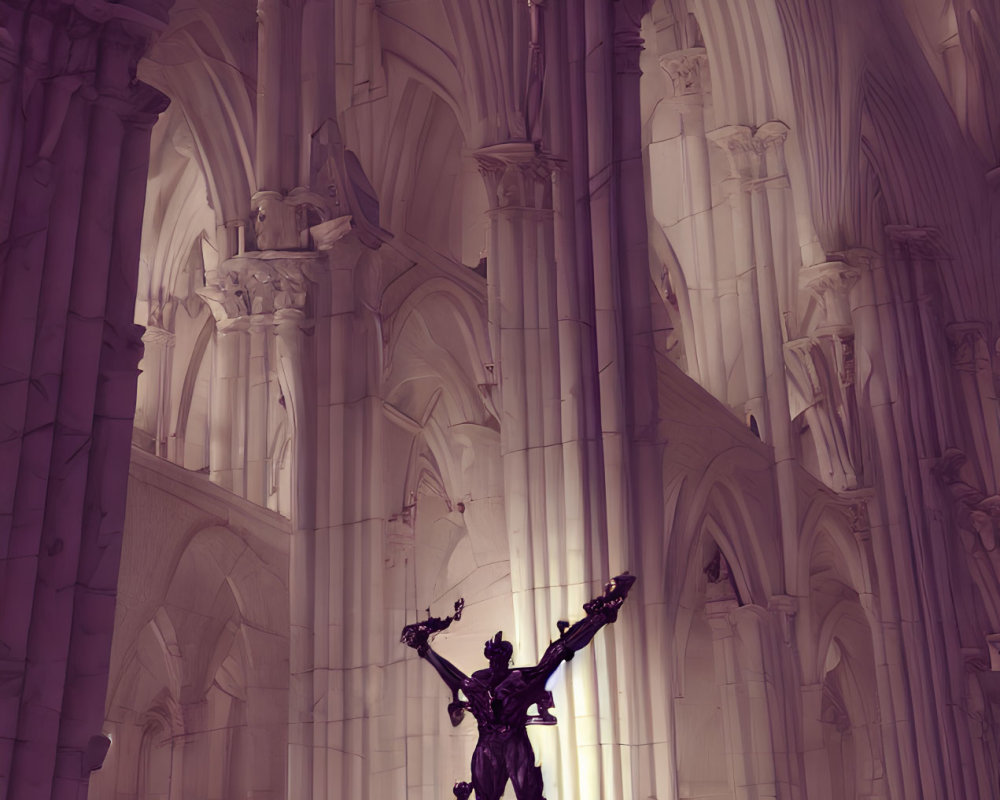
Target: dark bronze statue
[{"x": 499, "y": 697}]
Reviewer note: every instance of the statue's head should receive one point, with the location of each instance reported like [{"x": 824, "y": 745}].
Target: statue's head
[{"x": 498, "y": 651}]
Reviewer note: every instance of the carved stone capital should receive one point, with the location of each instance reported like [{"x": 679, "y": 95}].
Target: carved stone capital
[
  {"x": 688, "y": 71},
  {"x": 261, "y": 283},
  {"x": 860, "y": 523},
  {"x": 737, "y": 143},
  {"x": 916, "y": 243},
  {"x": 830, "y": 282},
  {"x": 967, "y": 346},
  {"x": 861, "y": 258},
  {"x": 517, "y": 176}
]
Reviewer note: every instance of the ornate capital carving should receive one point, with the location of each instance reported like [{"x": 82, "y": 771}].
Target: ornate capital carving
[
  {"x": 688, "y": 71},
  {"x": 830, "y": 282},
  {"x": 517, "y": 176},
  {"x": 261, "y": 283},
  {"x": 756, "y": 155},
  {"x": 737, "y": 143},
  {"x": 860, "y": 524},
  {"x": 967, "y": 346},
  {"x": 917, "y": 243}
]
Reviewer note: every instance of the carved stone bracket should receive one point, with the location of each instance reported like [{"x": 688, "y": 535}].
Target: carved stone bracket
[
  {"x": 688, "y": 71},
  {"x": 830, "y": 282},
  {"x": 756, "y": 155},
  {"x": 737, "y": 143},
  {"x": 967, "y": 346},
  {"x": 976, "y": 511},
  {"x": 916, "y": 243}
]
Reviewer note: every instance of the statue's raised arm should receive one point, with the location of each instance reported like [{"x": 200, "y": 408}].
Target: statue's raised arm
[
  {"x": 601, "y": 611},
  {"x": 417, "y": 635}
]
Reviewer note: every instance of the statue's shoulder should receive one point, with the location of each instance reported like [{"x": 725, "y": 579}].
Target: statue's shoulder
[{"x": 480, "y": 677}]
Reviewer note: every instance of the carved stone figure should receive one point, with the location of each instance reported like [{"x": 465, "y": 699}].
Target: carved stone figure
[{"x": 499, "y": 697}]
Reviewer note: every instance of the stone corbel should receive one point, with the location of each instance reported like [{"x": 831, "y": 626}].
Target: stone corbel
[
  {"x": 688, "y": 72},
  {"x": 736, "y": 141},
  {"x": 769, "y": 139},
  {"x": 916, "y": 243},
  {"x": 967, "y": 346},
  {"x": 830, "y": 282}
]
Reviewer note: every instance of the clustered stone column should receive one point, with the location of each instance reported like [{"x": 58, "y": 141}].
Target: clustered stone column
[
  {"x": 687, "y": 216},
  {"x": 74, "y": 151}
]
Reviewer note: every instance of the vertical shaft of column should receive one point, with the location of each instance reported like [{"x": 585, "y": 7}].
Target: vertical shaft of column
[
  {"x": 522, "y": 299},
  {"x": 875, "y": 365},
  {"x": 47, "y": 650},
  {"x": 156, "y": 366},
  {"x": 27, "y": 361},
  {"x": 103, "y": 525},
  {"x": 779, "y": 419},
  {"x": 257, "y": 410},
  {"x": 302, "y": 556},
  {"x": 228, "y": 407},
  {"x": 269, "y": 86},
  {"x": 687, "y": 73},
  {"x": 735, "y": 140},
  {"x": 318, "y": 66}
]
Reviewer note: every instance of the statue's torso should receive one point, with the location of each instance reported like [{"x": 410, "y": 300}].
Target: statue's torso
[{"x": 500, "y": 701}]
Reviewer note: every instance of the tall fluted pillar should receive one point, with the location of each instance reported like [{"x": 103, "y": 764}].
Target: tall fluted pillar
[
  {"x": 75, "y": 162},
  {"x": 687, "y": 216}
]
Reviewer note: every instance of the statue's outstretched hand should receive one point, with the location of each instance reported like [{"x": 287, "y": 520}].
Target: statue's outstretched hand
[{"x": 607, "y": 604}]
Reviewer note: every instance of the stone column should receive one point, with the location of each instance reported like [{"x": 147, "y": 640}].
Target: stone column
[
  {"x": 75, "y": 162},
  {"x": 918, "y": 279},
  {"x": 736, "y": 141},
  {"x": 227, "y": 423},
  {"x": 157, "y": 363},
  {"x": 739, "y": 665},
  {"x": 687, "y": 216},
  {"x": 283, "y": 292},
  {"x": 521, "y": 300}
]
